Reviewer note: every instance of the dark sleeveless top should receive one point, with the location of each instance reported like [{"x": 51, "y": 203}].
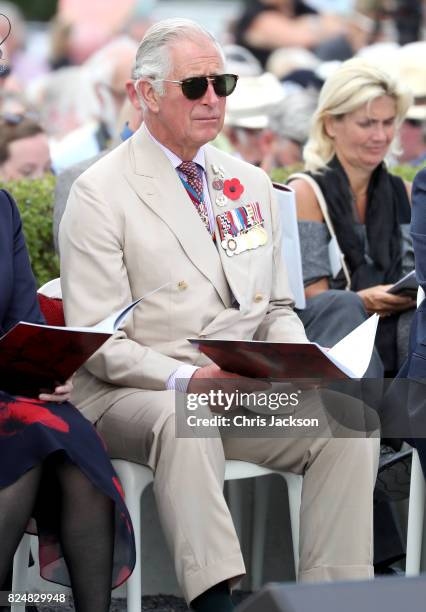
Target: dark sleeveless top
[{"x": 387, "y": 209}]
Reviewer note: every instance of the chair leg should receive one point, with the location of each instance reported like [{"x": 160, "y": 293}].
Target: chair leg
[
  {"x": 134, "y": 480},
  {"x": 416, "y": 512},
  {"x": 20, "y": 570},
  {"x": 235, "y": 506},
  {"x": 260, "y": 507},
  {"x": 294, "y": 489}
]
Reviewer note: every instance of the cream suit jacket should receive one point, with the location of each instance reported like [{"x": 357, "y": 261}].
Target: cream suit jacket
[{"x": 129, "y": 227}]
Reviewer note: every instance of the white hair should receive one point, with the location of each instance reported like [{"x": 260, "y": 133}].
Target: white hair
[
  {"x": 355, "y": 83},
  {"x": 293, "y": 118},
  {"x": 153, "y": 58},
  {"x": 100, "y": 65}
]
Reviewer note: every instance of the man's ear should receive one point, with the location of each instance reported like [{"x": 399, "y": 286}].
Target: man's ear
[
  {"x": 133, "y": 95},
  {"x": 149, "y": 95}
]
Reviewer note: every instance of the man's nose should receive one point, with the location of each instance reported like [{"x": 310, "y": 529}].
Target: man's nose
[{"x": 210, "y": 97}]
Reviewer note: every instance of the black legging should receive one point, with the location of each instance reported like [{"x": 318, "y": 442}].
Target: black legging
[{"x": 85, "y": 527}]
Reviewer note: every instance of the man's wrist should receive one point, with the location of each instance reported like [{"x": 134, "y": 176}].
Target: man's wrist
[{"x": 179, "y": 379}]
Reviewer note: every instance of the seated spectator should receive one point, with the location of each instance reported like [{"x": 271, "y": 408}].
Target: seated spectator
[
  {"x": 129, "y": 120},
  {"x": 247, "y": 119},
  {"x": 291, "y": 124},
  {"x": 107, "y": 71},
  {"x": 360, "y": 108},
  {"x": 53, "y": 466},
  {"x": 413, "y": 141},
  {"x": 355, "y": 207},
  {"x": 144, "y": 214},
  {"x": 24, "y": 148}
]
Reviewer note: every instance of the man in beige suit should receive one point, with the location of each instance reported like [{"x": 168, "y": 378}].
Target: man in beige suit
[{"x": 138, "y": 219}]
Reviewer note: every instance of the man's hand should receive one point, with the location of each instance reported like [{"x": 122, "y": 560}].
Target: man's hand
[
  {"x": 378, "y": 300},
  {"x": 61, "y": 394}
]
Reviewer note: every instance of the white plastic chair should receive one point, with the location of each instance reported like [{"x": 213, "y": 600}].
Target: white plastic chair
[
  {"x": 135, "y": 478},
  {"x": 416, "y": 507}
]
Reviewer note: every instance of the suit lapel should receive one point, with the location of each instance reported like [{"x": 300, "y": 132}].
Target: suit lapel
[
  {"x": 156, "y": 182},
  {"x": 236, "y": 267}
]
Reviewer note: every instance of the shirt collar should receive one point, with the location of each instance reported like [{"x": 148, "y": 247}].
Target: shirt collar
[{"x": 199, "y": 157}]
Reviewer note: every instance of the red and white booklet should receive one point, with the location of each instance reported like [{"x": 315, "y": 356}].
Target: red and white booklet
[{"x": 35, "y": 357}]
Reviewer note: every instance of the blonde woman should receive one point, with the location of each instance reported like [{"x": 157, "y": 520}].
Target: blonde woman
[
  {"x": 358, "y": 207},
  {"x": 349, "y": 204}
]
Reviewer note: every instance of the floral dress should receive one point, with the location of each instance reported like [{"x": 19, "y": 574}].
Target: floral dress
[{"x": 30, "y": 431}]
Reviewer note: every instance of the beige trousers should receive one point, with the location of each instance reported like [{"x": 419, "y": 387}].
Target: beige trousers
[{"x": 336, "y": 521}]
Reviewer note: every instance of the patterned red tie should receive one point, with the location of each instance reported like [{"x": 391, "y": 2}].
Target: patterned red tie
[{"x": 195, "y": 182}]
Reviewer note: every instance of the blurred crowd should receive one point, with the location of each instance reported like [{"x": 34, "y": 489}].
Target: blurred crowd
[{"x": 68, "y": 100}]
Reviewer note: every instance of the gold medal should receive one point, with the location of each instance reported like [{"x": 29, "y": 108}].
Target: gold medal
[
  {"x": 251, "y": 241},
  {"x": 262, "y": 235}
]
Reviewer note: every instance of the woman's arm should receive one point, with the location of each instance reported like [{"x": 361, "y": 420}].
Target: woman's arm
[
  {"x": 16, "y": 272},
  {"x": 308, "y": 209}
]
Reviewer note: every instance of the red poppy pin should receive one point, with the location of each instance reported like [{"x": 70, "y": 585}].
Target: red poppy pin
[{"x": 232, "y": 188}]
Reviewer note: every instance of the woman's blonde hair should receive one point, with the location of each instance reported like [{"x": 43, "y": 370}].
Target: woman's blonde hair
[{"x": 355, "y": 83}]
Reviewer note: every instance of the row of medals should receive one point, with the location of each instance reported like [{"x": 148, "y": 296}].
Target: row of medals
[{"x": 249, "y": 239}]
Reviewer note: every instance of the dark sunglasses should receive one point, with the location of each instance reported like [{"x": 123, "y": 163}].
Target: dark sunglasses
[{"x": 195, "y": 87}]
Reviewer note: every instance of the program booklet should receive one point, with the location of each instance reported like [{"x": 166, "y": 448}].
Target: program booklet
[
  {"x": 349, "y": 358},
  {"x": 407, "y": 285},
  {"x": 35, "y": 358}
]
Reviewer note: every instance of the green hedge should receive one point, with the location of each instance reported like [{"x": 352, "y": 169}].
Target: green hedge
[{"x": 35, "y": 200}]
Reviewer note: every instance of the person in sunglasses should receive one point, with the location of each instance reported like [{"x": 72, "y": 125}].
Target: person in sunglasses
[{"x": 166, "y": 207}]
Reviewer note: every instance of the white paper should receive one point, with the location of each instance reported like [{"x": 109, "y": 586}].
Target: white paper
[
  {"x": 290, "y": 242},
  {"x": 353, "y": 352},
  {"x": 113, "y": 321}
]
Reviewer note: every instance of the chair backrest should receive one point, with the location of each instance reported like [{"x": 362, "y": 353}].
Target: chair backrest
[
  {"x": 52, "y": 288},
  {"x": 50, "y": 301},
  {"x": 290, "y": 242}
]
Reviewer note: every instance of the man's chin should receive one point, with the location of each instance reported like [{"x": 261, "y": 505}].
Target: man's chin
[{"x": 207, "y": 134}]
